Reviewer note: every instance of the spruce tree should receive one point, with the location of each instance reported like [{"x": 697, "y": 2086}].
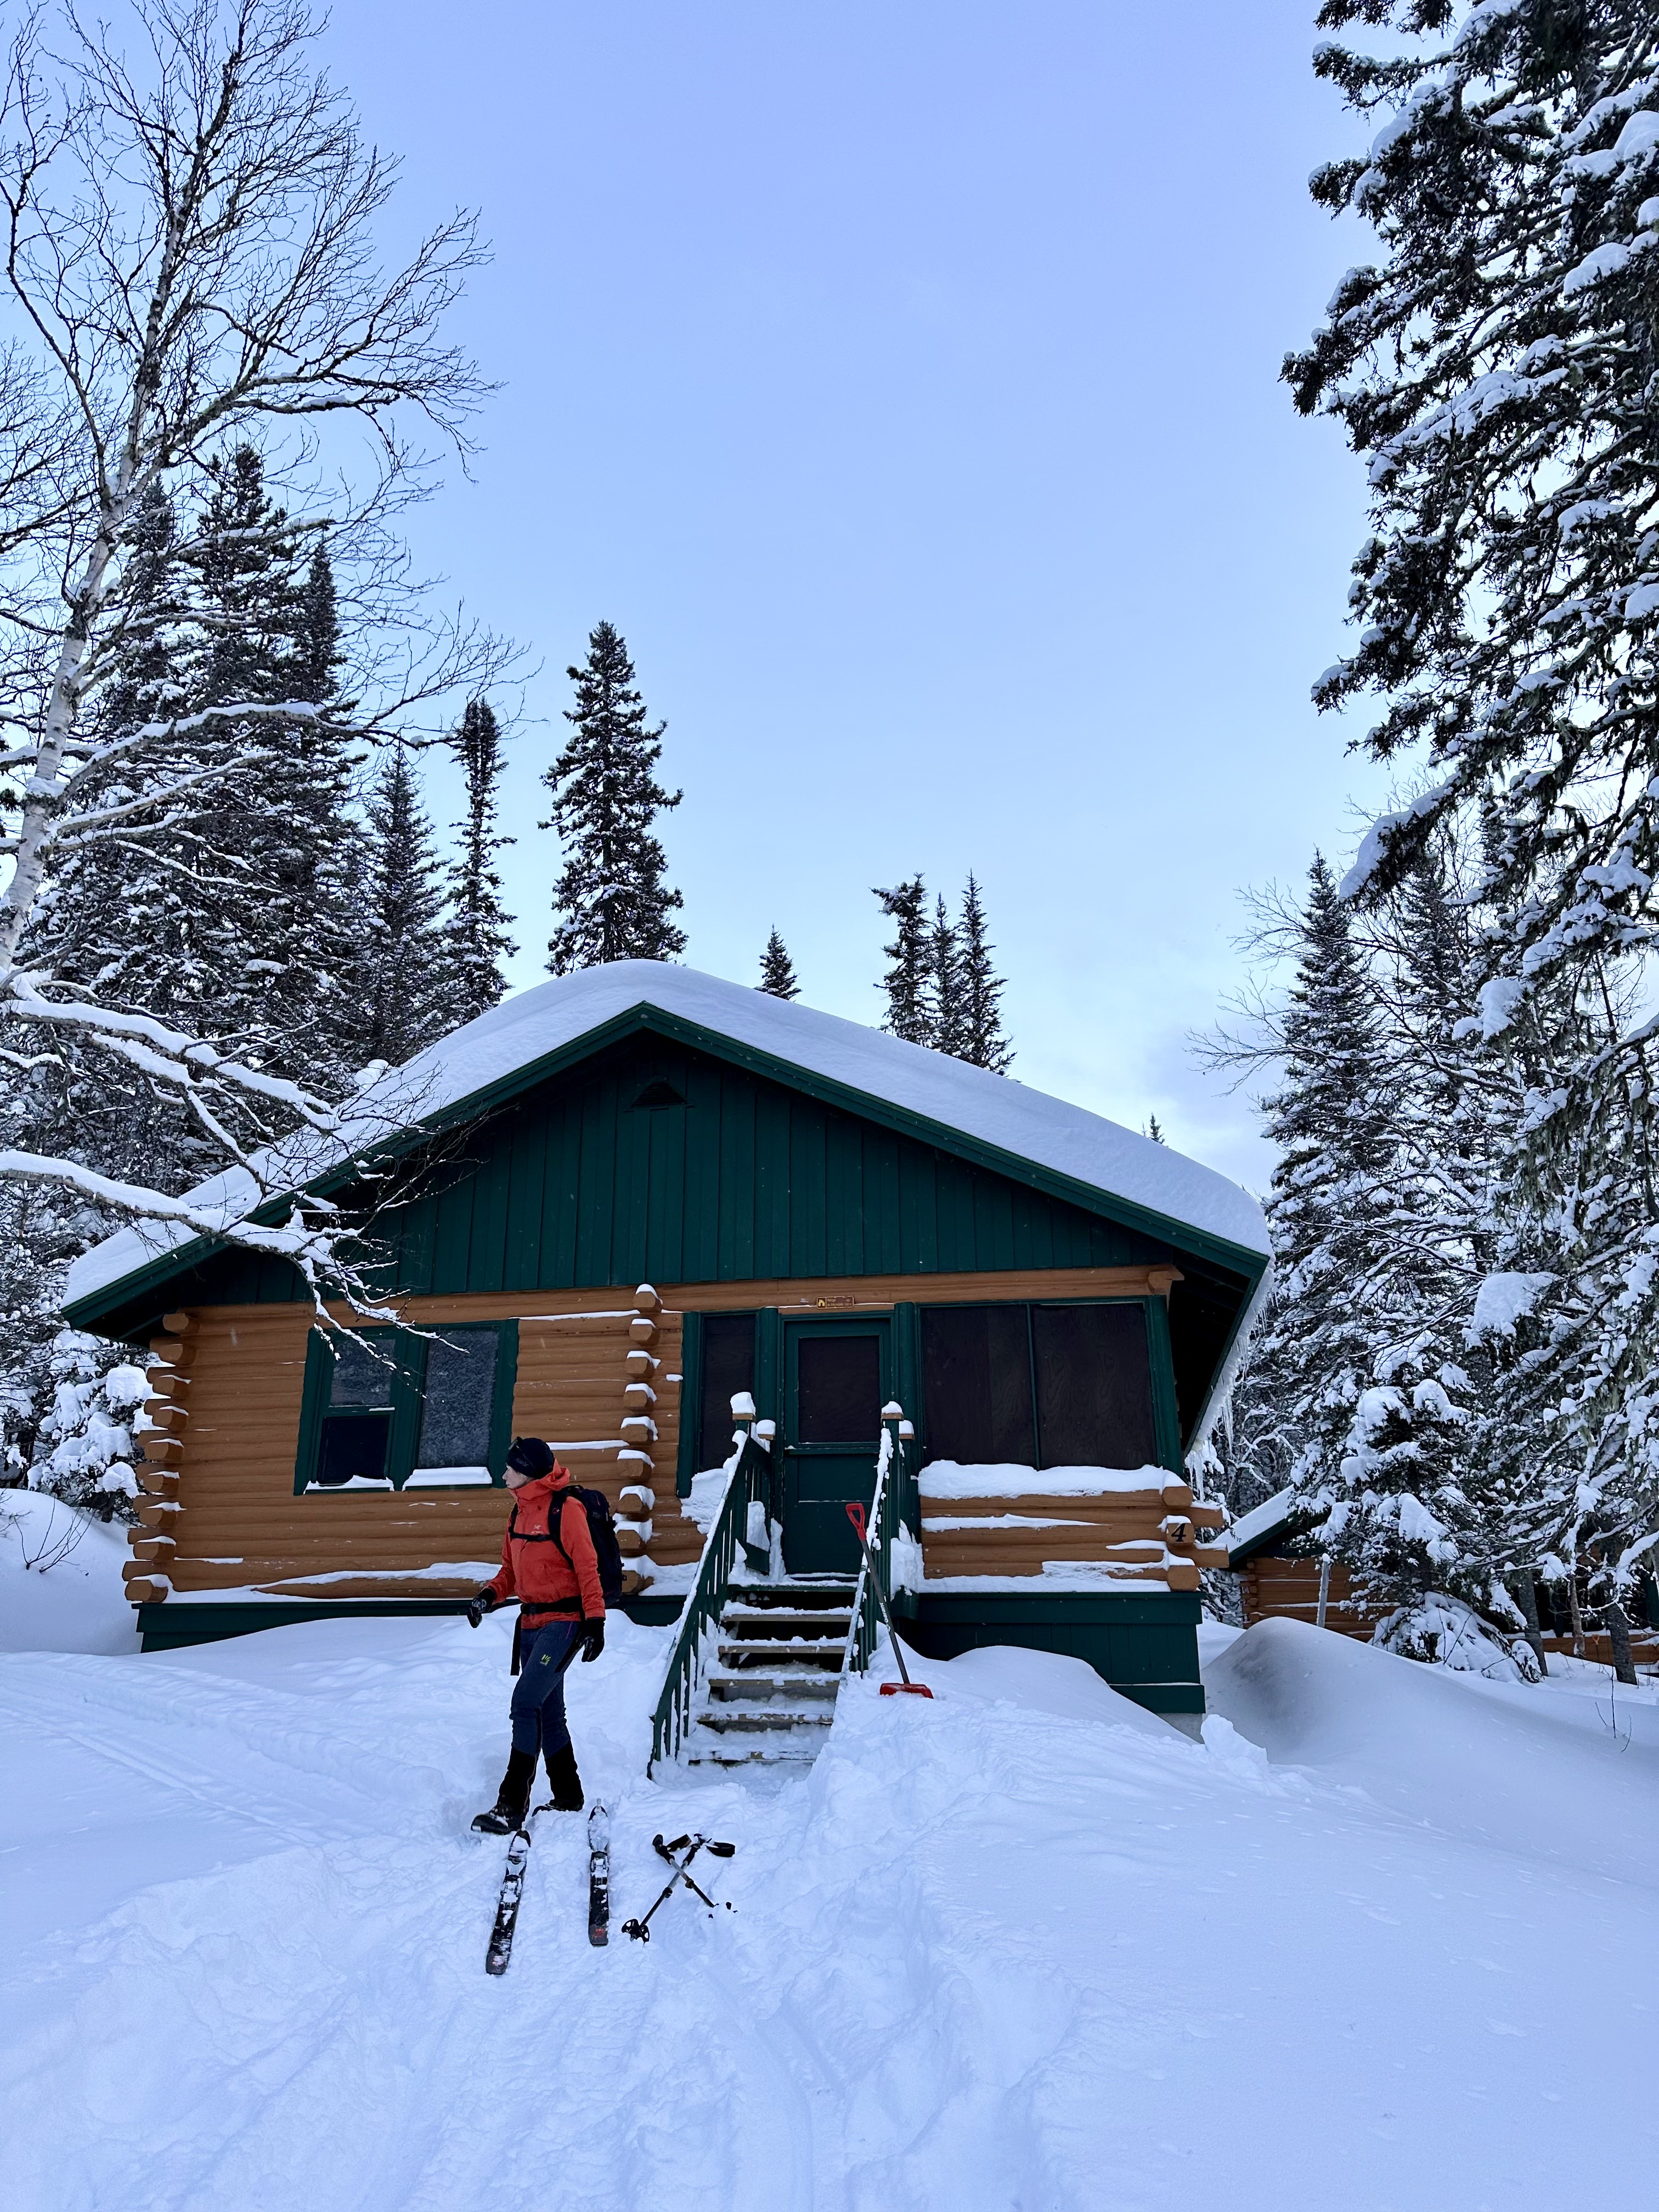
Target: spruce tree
[
  {"x": 979, "y": 988},
  {"x": 1327, "y": 1120},
  {"x": 610, "y": 902},
  {"x": 778, "y": 971},
  {"x": 406, "y": 979},
  {"x": 1491, "y": 364},
  {"x": 910, "y": 1013},
  {"x": 234, "y": 922},
  {"x": 478, "y": 922},
  {"x": 947, "y": 1030}
]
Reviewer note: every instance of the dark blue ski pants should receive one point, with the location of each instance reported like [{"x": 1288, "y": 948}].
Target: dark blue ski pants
[{"x": 539, "y": 1693}]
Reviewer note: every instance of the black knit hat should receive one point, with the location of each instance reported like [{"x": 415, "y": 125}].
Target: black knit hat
[{"x": 531, "y": 1456}]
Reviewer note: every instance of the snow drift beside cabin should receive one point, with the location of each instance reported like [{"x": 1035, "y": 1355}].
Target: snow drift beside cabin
[{"x": 527, "y": 1027}]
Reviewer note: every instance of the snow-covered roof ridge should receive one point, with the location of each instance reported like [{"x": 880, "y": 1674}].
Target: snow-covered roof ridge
[{"x": 524, "y": 1029}]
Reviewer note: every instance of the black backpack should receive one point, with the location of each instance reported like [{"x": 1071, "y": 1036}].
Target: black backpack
[{"x": 602, "y": 1528}]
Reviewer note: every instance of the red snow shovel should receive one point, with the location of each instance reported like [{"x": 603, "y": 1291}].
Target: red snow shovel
[{"x": 904, "y": 1685}]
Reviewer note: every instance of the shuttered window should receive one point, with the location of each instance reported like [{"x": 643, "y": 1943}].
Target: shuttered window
[
  {"x": 728, "y": 1366},
  {"x": 1038, "y": 1385}
]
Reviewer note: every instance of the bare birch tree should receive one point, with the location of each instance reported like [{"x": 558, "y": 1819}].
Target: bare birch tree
[{"x": 188, "y": 212}]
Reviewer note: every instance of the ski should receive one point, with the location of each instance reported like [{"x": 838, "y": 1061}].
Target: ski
[
  {"x": 500, "y": 1954},
  {"x": 598, "y": 1876}
]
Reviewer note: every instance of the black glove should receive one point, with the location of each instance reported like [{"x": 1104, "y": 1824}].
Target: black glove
[
  {"x": 593, "y": 1638},
  {"x": 486, "y": 1601}
]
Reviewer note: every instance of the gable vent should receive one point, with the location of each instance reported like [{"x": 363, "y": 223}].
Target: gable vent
[{"x": 661, "y": 1094}]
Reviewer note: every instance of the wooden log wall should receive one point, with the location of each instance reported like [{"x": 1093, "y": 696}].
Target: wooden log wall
[
  {"x": 1141, "y": 1535},
  {"x": 1598, "y": 1648},
  {"x": 1288, "y": 1590},
  {"x": 598, "y": 1377}
]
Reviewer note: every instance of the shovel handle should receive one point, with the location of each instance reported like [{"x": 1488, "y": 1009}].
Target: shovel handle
[{"x": 855, "y": 1513}]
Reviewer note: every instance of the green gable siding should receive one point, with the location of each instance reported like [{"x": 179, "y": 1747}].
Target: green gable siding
[{"x": 575, "y": 1184}]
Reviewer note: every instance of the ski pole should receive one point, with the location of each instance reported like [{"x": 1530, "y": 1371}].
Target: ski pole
[
  {"x": 641, "y": 1930},
  {"x": 666, "y": 1851},
  {"x": 855, "y": 1514}
]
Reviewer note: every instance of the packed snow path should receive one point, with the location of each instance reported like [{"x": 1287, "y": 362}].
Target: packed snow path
[{"x": 1015, "y": 1949}]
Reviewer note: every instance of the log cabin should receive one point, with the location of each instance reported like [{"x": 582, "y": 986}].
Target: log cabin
[
  {"x": 622, "y": 1198},
  {"x": 1281, "y": 1571},
  {"x": 1279, "y": 1574}
]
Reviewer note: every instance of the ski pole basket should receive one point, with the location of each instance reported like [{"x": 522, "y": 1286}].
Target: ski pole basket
[{"x": 750, "y": 1481}]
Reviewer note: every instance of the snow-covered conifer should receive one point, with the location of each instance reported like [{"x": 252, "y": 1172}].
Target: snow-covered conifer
[
  {"x": 479, "y": 924},
  {"x": 407, "y": 982},
  {"x": 980, "y": 989},
  {"x": 87, "y": 1441},
  {"x": 947, "y": 1030},
  {"x": 909, "y": 1014},
  {"x": 1327, "y": 1120},
  {"x": 778, "y": 969},
  {"x": 612, "y": 901},
  {"x": 1490, "y": 364}
]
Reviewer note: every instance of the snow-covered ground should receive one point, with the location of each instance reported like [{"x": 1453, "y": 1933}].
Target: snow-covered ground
[
  {"x": 1022, "y": 1946},
  {"x": 60, "y": 1579}
]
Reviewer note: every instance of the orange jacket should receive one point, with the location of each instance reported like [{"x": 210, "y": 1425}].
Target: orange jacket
[{"x": 533, "y": 1568}]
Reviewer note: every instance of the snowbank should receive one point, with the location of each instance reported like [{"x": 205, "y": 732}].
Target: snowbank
[
  {"x": 1019, "y": 1947},
  {"x": 872, "y": 1066},
  {"x": 1575, "y": 1780},
  {"x": 60, "y": 1579}
]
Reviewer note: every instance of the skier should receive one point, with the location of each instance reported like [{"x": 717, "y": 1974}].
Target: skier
[{"x": 548, "y": 1564}]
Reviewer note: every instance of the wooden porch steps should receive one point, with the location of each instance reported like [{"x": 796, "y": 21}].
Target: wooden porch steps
[{"x": 771, "y": 1699}]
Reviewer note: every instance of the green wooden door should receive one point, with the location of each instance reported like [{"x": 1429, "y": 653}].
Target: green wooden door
[{"x": 837, "y": 1380}]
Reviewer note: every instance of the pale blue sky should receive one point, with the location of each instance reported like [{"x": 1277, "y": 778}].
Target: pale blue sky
[{"x": 901, "y": 380}]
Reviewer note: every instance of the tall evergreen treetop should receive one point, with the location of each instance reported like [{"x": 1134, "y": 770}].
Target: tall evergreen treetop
[
  {"x": 231, "y": 919},
  {"x": 910, "y": 1013},
  {"x": 1328, "y": 1122},
  {"x": 1494, "y": 365},
  {"x": 406, "y": 981},
  {"x": 778, "y": 971},
  {"x": 947, "y": 1030},
  {"x": 611, "y": 900},
  {"x": 980, "y": 989},
  {"x": 479, "y": 924},
  {"x": 941, "y": 988}
]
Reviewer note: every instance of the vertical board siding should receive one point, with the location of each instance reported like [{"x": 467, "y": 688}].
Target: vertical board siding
[{"x": 747, "y": 1180}]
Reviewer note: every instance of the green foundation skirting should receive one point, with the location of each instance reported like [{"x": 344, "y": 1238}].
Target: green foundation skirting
[{"x": 1146, "y": 1648}]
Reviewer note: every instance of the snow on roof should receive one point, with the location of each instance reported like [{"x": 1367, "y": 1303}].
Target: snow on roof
[
  {"x": 526, "y": 1027},
  {"x": 1264, "y": 1520}
]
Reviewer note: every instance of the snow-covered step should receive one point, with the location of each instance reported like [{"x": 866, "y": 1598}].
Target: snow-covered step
[
  {"x": 825, "y": 1655},
  {"x": 737, "y": 1720},
  {"x": 780, "y": 1648},
  {"x": 783, "y": 1621},
  {"x": 791, "y": 1682},
  {"x": 769, "y": 1756}
]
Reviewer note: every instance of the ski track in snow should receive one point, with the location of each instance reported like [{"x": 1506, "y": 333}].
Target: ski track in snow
[{"x": 1021, "y": 1949}]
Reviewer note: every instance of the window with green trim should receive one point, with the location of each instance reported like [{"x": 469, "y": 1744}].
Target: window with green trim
[{"x": 387, "y": 1409}]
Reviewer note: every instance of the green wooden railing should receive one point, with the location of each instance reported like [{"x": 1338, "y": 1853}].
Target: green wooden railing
[
  {"x": 882, "y": 1525},
  {"x": 751, "y": 1479}
]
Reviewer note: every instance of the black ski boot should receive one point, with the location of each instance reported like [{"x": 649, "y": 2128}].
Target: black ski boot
[
  {"x": 566, "y": 1782},
  {"x": 513, "y": 1800}
]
